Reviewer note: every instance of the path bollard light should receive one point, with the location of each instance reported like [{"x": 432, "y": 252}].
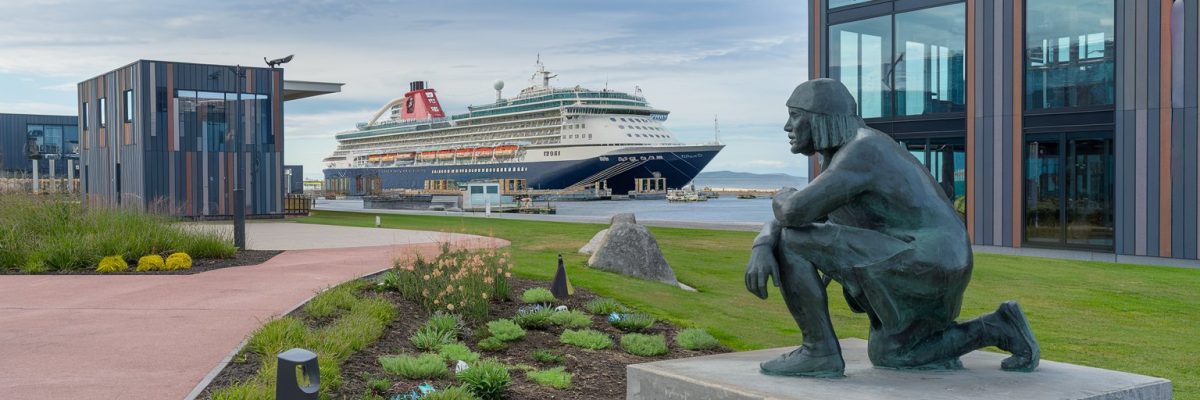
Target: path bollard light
[
  {"x": 287, "y": 387},
  {"x": 377, "y": 221}
]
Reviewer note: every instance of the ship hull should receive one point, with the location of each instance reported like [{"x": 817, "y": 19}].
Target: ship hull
[{"x": 619, "y": 170}]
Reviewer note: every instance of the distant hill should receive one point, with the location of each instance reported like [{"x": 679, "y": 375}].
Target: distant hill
[{"x": 747, "y": 180}]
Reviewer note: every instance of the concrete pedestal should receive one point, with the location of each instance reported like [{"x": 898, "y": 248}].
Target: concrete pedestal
[{"x": 735, "y": 376}]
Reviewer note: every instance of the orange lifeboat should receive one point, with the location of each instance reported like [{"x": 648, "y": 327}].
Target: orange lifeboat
[
  {"x": 405, "y": 156},
  {"x": 428, "y": 155},
  {"x": 506, "y": 151},
  {"x": 374, "y": 158},
  {"x": 463, "y": 153},
  {"x": 445, "y": 154},
  {"x": 483, "y": 152},
  {"x": 387, "y": 158}
]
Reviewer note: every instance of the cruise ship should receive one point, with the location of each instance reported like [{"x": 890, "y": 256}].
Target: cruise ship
[{"x": 546, "y": 138}]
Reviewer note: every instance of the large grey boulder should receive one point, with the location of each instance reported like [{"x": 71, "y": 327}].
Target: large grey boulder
[
  {"x": 593, "y": 244},
  {"x": 630, "y": 249}
]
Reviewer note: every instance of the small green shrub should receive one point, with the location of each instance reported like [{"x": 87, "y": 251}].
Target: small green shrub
[
  {"x": 277, "y": 335},
  {"x": 457, "y": 351},
  {"x": 557, "y": 378},
  {"x": 34, "y": 265},
  {"x": 586, "y": 338},
  {"x": 112, "y": 264},
  {"x": 537, "y": 296},
  {"x": 573, "y": 319},
  {"x": 487, "y": 379},
  {"x": 538, "y": 319},
  {"x": 696, "y": 339},
  {"x": 425, "y": 366},
  {"x": 459, "y": 281},
  {"x": 450, "y": 323},
  {"x": 547, "y": 356},
  {"x": 644, "y": 345},
  {"x": 451, "y": 393},
  {"x": 382, "y": 385},
  {"x": 603, "y": 306},
  {"x": 633, "y": 322},
  {"x": 244, "y": 391},
  {"x": 505, "y": 330},
  {"x": 179, "y": 261},
  {"x": 492, "y": 344},
  {"x": 331, "y": 301},
  {"x": 429, "y": 339}
]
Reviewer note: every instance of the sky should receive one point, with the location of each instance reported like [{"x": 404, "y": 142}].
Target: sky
[{"x": 733, "y": 60}]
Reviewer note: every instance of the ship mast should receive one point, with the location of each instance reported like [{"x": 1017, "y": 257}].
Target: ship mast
[{"x": 546, "y": 75}]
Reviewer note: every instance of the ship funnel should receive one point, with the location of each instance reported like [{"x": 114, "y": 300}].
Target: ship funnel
[{"x": 416, "y": 85}]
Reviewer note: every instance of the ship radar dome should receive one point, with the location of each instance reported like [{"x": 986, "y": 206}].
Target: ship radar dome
[{"x": 498, "y": 85}]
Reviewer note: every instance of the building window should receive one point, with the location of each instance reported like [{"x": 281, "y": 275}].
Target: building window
[
  {"x": 859, "y": 57},
  {"x": 128, "y": 106},
  {"x": 1069, "y": 189},
  {"x": 85, "y": 116},
  {"x": 842, "y": 3},
  {"x": 1069, "y": 53},
  {"x": 103, "y": 112},
  {"x": 931, "y": 68}
]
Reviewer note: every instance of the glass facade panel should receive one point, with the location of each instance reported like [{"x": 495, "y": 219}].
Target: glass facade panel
[
  {"x": 1069, "y": 53},
  {"x": 930, "y": 71},
  {"x": 842, "y": 3},
  {"x": 1042, "y": 190},
  {"x": 860, "y": 56},
  {"x": 1090, "y": 192},
  {"x": 53, "y": 140},
  {"x": 1069, "y": 189},
  {"x": 946, "y": 159},
  {"x": 211, "y": 117}
]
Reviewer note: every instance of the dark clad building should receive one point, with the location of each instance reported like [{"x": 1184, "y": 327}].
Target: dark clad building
[
  {"x": 46, "y": 137},
  {"x": 160, "y": 136}
]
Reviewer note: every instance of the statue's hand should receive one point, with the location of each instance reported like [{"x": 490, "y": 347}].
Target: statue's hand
[{"x": 762, "y": 265}]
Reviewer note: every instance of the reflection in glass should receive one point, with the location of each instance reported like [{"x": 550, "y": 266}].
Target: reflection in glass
[
  {"x": 946, "y": 159},
  {"x": 930, "y": 73},
  {"x": 841, "y": 3},
  {"x": 1069, "y": 53},
  {"x": 1042, "y": 191},
  {"x": 861, "y": 58},
  {"x": 1089, "y": 192},
  {"x": 1069, "y": 189}
]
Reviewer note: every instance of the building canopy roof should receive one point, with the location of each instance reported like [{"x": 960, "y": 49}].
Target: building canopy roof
[{"x": 295, "y": 90}]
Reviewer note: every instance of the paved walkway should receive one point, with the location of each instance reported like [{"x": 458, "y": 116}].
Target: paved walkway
[{"x": 157, "y": 336}]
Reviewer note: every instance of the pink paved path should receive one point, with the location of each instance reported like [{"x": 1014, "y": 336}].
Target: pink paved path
[{"x": 156, "y": 337}]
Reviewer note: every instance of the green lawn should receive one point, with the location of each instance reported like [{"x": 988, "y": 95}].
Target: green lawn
[{"x": 1132, "y": 318}]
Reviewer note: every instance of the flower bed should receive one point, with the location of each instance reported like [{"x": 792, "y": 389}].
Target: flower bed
[{"x": 416, "y": 349}]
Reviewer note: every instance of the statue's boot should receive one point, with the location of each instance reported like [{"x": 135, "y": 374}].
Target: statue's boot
[
  {"x": 801, "y": 362},
  {"x": 1017, "y": 338},
  {"x": 819, "y": 356}
]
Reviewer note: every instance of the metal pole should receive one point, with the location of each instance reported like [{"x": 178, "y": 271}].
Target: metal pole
[{"x": 239, "y": 189}]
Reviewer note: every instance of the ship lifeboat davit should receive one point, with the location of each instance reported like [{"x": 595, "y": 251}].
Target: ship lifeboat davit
[
  {"x": 463, "y": 153},
  {"x": 506, "y": 151},
  {"x": 445, "y": 154},
  {"x": 428, "y": 155},
  {"x": 483, "y": 152}
]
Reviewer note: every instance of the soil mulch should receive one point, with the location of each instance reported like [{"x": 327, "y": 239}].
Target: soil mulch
[
  {"x": 241, "y": 258},
  {"x": 598, "y": 374}
]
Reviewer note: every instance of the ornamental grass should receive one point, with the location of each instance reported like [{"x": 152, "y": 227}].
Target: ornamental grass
[
  {"x": 456, "y": 281},
  {"x": 41, "y": 233}
]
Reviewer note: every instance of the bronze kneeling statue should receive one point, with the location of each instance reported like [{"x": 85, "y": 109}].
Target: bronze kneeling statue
[{"x": 876, "y": 222}]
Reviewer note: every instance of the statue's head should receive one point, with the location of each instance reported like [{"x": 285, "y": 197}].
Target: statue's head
[{"x": 821, "y": 115}]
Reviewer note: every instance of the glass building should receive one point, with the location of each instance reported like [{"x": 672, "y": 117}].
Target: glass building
[{"x": 1050, "y": 123}]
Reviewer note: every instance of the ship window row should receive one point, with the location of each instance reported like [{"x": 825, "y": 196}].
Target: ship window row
[
  {"x": 577, "y": 136},
  {"x": 453, "y": 134},
  {"x": 648, "y": 135},
  {"x": 642, "y": 120},
  {"x": 478, "y": 170},
  {"x": 558, "y": 96},
  {"x": 645, "y": 128},
  {"x": 575, "y": 126},
  {"x": 451, "y": 140}
]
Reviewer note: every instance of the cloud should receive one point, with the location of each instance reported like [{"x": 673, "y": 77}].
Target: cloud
[
  {"x": 696, "y": 58},
  {"x": 37, "y": 108}
]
